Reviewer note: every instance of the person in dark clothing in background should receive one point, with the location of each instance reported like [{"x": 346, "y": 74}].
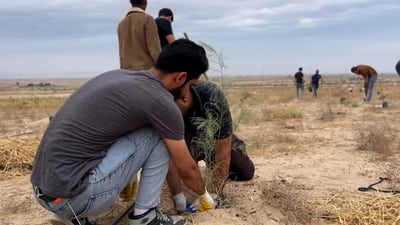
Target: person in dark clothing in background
[
  {"x": 299, "y": 82},
  {"x": 164, "y": 20},
  {"x": 315, "y": 82}
]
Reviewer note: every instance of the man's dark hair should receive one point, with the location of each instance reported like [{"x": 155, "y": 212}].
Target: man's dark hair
[
  {"x": 354, "y": 69},
  {"x": 166, "y": 12},
  {"x": 136, "y": 2},
  {"x": 183, "y": 55},
  {"x": 300, "y": 69}
]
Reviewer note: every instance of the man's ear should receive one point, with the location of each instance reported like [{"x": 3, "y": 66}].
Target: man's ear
[{"x": 181, "y": 78}]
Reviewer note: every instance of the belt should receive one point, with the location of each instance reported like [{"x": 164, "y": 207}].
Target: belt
[{"x": 48, "y": 198}]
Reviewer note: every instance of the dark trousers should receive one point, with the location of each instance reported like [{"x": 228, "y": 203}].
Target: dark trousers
[{"x": 241, "y": 166}]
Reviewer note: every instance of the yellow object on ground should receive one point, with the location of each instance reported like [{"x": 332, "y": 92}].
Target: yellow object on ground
[{"x": 129, "y": 192}]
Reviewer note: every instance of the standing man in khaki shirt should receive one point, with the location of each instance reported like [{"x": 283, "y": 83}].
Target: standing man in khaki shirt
[
  {"x": 139, "y": 44},
  {"x": 139, "y": 48}
]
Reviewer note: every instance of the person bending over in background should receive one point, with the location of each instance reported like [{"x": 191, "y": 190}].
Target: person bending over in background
[
  {"x": 163, "y": 21},
  {"x": 315, "y": 83},
  {"x": 370, "y": 76},
  {"x": 116, "y": 124},
  {"x": 139, "y": 45},
  {"x": 299, "y": 82},
  {"x": 208, "y": 134},
  {"x": 398, "y": 67}
]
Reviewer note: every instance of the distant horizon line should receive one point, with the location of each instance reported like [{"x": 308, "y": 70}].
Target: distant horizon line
[{"x": 211, "y": 76}]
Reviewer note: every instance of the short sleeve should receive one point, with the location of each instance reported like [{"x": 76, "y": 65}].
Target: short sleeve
[{"x": 166, "y": 118}]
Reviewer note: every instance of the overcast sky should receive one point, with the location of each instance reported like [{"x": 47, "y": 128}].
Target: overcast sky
[{"x": 77, "y": 38}]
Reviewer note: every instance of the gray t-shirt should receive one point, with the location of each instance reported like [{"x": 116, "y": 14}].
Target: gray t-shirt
[{"x": 105, "y": 108}]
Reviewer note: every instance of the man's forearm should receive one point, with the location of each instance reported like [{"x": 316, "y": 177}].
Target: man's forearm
[
  {"x": 173, "y": 179},
  {"x": 220, "y": 175},
  {"x": 222, "y": 162},
  {"x": 186, "y": 167},
  {"x": 194, "y": 181}
]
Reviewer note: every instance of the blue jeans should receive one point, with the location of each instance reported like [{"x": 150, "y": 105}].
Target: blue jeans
[
  {"x": 369, "y": 90},
  {"x": 315, "y": 89},
  {"x": 299, "y": 90},
  {"x": 141, "y": 149}
]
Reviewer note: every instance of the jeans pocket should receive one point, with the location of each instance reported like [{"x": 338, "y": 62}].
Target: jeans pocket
[
  {"x": 100, "y": 202},
  {"x": 61, "y": 206}
]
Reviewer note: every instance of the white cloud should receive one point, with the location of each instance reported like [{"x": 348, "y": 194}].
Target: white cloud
[
  {"x": 258, "y": 33},
  {"x": 52, "y": 65}
]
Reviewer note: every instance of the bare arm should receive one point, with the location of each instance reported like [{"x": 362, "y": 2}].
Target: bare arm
[
  {"x": 173, "y": 179},
  {"x": 366, "y": 79},
  {"x": 222, "y": 162},
  {"x": 186, "y": 167},
  {"x": 170, "y": 38}
]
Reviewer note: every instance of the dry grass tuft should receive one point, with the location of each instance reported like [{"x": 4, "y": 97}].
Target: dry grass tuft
[
  {"x": 224, "y": 196},
  {"x": 350, "y": 102},
  {"x": 287, "y": 113},
  {"x": 327, "y": 114},
  {"x": 16, "y": 156},
  {"x": 379, "y": 209},
  {"x": 377, "y": 137},
  {"x": 282, "y": 137},
  {"x": 392, "y": 171},
  {"x": 290, "y": 199}
]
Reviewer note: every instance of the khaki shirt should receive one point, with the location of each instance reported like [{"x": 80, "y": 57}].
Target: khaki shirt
[{"x": 139, "y": 44}]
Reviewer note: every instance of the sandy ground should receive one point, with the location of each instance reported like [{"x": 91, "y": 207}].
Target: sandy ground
[{"x": 319, "y": 152}]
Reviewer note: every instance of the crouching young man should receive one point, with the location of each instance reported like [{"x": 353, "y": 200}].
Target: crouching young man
[
  {"x": 209, "y": 136},
  {"x": 111, "y": 127}
]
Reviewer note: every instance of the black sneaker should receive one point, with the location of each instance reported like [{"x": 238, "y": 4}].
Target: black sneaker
[
  {"x": 59, "y": 220},
  {"x": 154, "y": 217},
  {"x": 82, "y": 221}
]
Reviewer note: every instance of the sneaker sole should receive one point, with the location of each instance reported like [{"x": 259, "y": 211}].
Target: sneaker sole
[{"x": 56, "y": 220}]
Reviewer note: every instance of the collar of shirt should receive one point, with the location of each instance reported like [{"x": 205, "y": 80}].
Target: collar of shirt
[{"x": 136, "y": 9}]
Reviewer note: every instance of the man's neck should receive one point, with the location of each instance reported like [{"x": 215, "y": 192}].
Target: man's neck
[
  {"x": 142, "y": 7},
  {"x": 165, "y": 18},
  {"x": 155, "y": 73}
]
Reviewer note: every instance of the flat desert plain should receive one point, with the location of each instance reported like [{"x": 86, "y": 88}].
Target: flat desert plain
[{"x": 311, "y": 155}]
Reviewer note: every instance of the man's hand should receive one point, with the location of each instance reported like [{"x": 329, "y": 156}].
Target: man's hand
[
  {"x": 185, "y": 102},
  {"x": 182, "y": 205},
  {"x": 182, "y": 104},
  {"x": 204, "y": 203}
]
